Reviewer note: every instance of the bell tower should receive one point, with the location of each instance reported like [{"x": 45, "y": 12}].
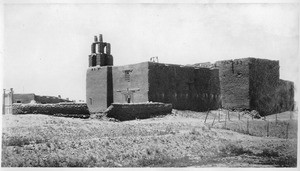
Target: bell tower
[{"x": 100, "y": 53}]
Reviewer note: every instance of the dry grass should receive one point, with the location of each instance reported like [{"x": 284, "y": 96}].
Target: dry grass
[{"x": 169, "y": 141}]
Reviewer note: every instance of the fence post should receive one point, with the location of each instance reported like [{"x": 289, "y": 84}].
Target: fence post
[
  {"x": 239, "y": 116},
  {"x": 247, "y": 125},
  {"x": 213, "y": 122},
  {"x": 228, "y": 115},
  {"x": 287, "y": 131},
  {"x": 225, "y": 121},
  {"x": 219, "y": 115},
  {"x": 267, "y": 128},
  {"x": 206, "y": 116},
  {"x": 276, "y": 119},
  {"x": 291, "y": 113}
]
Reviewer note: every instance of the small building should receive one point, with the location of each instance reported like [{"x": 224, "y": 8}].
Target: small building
[
  {"x": 9, "y": 98},
  {"x": 30, "y": 97}
]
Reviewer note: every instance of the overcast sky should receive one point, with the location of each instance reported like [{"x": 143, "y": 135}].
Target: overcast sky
[{"x": 46, "y": 46}]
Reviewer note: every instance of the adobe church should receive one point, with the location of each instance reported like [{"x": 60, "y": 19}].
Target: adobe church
[{"x": 239, "y": 84}]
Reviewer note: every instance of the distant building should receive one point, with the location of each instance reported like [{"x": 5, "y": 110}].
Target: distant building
[{"x": 28, "y": 98}]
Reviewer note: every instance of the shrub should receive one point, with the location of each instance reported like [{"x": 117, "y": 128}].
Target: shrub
[
  {"x": 268, "y": 153},
  {"x": 234, "y": 150},
  {"x": 287, "y": 161},
  {"x": 273, "y": 158},
  {"x": 195, "y": 132},
  {"x": 160, "y": 160},
  {"x": 156, "y": 161},
  {"x": 16, "y": 141}
]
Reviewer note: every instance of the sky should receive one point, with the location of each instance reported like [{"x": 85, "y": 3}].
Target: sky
[{"x": 46, "y": 46}]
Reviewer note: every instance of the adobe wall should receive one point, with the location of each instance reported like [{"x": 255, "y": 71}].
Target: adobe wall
[
  {"x": 99, "y": 88},
  {"x": 130, "y": 111},
  {"x": 185, "y": 87},
  {"x": 215, "y": 89},
  {"x": 136, "y": 80},
  {"x": 23, "y": 98},
  {"x": 234, "y": 83},
  {"x": 264, "y": 79},
  {"x": 284, "y": 96},
  {"x": 60, "y": 109}
]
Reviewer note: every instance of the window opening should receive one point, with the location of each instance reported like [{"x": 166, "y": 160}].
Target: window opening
[{"x": 127, "y": 75}]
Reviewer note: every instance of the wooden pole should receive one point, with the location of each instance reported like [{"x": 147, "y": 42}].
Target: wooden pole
[
  {"x": 276, "y": 119},
  {"x": 287, "y": 131},
  {"x": 213, "y": 121},
  {"x": 247, "y": 125},
  {"x": 225, "y": 121},
  {"x": 267, "y": 128},
  {"x": 228, "y": 115},
  {"x": 239, "y": 116},
  {"x": 219, "y": 115},
  {"x": 206, "y": 116}
]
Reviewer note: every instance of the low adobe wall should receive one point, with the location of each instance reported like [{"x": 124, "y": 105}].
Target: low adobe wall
[
  {"x": 130, "y": 111},
  {"x": 77, "y": 110}
]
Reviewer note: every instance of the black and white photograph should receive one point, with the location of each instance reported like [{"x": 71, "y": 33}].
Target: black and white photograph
[{"x": 149, "y": 84}]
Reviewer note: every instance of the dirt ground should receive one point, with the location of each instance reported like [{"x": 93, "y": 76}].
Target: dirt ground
[{"x": 180, "y": 139}]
